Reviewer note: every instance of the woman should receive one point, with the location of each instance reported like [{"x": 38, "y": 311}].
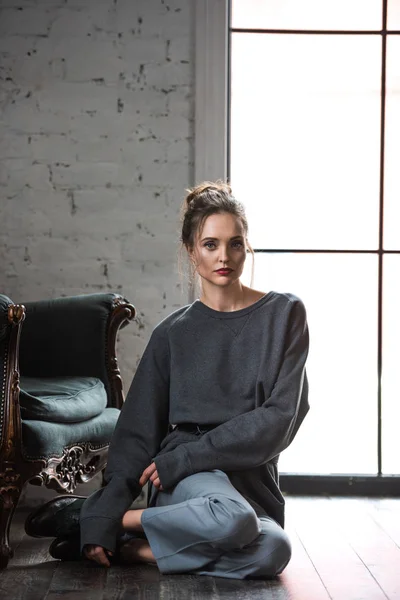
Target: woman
[{"x": 220, "y": 391}]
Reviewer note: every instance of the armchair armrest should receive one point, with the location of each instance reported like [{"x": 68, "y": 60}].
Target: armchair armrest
[
  {"x": 11, "y": 319},
  {"x": 76, "y": 336}
]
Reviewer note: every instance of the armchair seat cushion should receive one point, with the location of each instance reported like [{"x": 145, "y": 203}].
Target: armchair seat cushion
[
  {"x": 42, "y": 439},
  {"x": 62, "y": 399}
]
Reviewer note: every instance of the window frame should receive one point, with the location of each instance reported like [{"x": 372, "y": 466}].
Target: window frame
[{"x": 212, "y": 123}]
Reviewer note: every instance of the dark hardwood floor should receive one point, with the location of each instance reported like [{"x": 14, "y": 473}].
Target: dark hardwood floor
[{"x": 343, "y": 549}]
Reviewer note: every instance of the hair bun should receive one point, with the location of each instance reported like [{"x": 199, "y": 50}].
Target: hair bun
[{"x": 204, "y": 191}]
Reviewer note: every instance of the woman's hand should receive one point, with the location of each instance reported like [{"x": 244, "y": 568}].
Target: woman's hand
[
  {"x": 97, "y": 554},
  {"x": 151, "y": 473}
]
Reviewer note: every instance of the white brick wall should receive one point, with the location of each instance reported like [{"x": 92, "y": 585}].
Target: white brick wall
[
  {"x": 96, "y": 132},
  {"x": 96, "y": 128}
]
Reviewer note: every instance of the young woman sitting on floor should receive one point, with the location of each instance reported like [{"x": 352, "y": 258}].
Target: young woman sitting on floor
[{"x": 220, "y": 391}]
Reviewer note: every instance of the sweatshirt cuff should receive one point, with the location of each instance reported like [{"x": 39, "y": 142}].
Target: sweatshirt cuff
[
  {"x": 173, "y": 466},
  {"x": 100, "y": 531}
]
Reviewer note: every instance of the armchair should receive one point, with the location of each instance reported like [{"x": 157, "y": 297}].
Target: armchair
[{"x": 60, "y": 394}]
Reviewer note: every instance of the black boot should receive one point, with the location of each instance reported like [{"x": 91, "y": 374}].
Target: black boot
[
  {"x": 57, "y": 518},
  {"x": 66, "y": 548}
]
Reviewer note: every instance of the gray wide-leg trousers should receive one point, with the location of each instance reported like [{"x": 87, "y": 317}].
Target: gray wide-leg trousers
[{"x": 205, "y": 526}]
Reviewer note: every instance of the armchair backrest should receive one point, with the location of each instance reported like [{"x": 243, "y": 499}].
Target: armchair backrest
[{"x": 67, "y": 336}]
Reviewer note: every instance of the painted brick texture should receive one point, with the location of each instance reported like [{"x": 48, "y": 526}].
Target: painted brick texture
[{"x": 96, "y": 128}]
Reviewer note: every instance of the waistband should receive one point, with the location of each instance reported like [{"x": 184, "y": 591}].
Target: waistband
[{"x": 196, "y": 428}]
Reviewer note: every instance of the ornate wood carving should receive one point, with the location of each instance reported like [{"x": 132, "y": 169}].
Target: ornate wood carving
[
  {"x": 11, "y": 481},
  {"x": 79, "y": 464},
  {"x": 16, "y": 313},
  {"x": 10, "y": 478},
  {"x": 9, "y": 495},
  {"x": 10, "y": 412},
  {"x": 122, "y": 313},
  {"x": 9, "y": 475},
  {"x": 10, "y": 485}
]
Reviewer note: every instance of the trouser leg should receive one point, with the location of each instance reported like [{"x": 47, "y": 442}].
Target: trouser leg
[
  {"x": 204, "y": 525},
  {"x": 265, "y": 557}
]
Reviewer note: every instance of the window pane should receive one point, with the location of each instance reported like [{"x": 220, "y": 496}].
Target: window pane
[
  {"x": 393, "y": 14},
  {"x": 307, "y": 14},
  {"x": 339, "y": 435},
  {"x": 305, "y": 134},
  {"x": 392, "y": 146},
  {"x": 391, "y": 367}
]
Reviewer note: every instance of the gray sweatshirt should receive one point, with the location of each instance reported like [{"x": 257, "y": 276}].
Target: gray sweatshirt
[{"x": 243, "y": 371}]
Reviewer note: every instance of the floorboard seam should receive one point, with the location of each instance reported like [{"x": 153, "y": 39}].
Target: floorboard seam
[
  {"x": 369, "y": 571},
  {"x": 312, "y": 562},
  {"x": 51, "y": 580}
]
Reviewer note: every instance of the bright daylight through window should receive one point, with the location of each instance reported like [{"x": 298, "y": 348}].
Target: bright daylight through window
[{"x": 314, "y": 148}]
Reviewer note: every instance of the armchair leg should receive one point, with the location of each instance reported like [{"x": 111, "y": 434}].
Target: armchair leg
[{"x": 9, "y": 497}]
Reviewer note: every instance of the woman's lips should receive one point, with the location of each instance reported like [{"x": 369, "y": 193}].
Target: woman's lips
[{"x": 224, "y": 271}]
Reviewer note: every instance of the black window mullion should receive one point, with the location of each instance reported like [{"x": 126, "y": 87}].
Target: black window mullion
[
  {"x": 229, "y": 102},
  {"x": 381, "y": 209},
  {"x": 308, "y": 31},
  {"x": 316, "y": 251}
]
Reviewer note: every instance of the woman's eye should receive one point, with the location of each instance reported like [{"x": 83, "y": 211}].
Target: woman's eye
[{"x": 212, "y": 246}]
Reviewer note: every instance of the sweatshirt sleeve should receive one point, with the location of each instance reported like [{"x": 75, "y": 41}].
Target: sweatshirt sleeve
[
  {"x": 141, "y": 426},
  {"x": 255, "y": 437}
]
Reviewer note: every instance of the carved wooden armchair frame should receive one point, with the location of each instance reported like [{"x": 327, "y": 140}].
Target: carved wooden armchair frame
[{"x": 79, "y": 462}]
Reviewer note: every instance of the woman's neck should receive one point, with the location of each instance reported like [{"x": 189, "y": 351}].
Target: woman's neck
[{"x": 225, "y": 299}]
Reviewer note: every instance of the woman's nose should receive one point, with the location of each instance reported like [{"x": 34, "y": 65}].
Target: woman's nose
[{"x": 223, "y": 257}]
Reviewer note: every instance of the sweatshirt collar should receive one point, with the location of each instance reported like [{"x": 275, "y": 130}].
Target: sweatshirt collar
[{"x": 234, "y": 314}]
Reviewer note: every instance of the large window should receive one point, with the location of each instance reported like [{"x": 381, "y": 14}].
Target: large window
[{"x": 313, "y": 150}]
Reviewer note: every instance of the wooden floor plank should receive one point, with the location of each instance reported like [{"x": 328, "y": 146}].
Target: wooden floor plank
[
  {"x": 17, "y": 531},
  {"x": 26, "y": 583},
  {"x": 300, "y": 578},
  {"x": 77, "y": 579},
  {"x": 250, "y": 589},
  {"x": 132, "y": 583},
  {"x": 188, "y": 587},
  {"x": 343, "y": 573},
  {"x": 373, "y": 545},
  {"x": 29, "y": 573},
  {"x": 386, "y": 513}
]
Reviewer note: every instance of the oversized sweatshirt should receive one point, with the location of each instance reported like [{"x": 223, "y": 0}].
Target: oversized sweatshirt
[{"x": 241, "y": 372}]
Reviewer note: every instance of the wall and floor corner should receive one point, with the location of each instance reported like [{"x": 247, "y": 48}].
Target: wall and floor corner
[{"x": 96, "y": 149}]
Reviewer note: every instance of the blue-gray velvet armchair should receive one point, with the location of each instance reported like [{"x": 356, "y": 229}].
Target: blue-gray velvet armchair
[{"x": 60, "y": 394}]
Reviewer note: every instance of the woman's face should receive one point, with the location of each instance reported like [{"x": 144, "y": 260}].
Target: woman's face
[{"x": 219, "y": 251}]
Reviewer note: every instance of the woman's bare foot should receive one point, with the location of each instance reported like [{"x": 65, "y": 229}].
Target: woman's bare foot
[
  {"x": 136, "y": 550},
  {"x": 132, "y": 520}
]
